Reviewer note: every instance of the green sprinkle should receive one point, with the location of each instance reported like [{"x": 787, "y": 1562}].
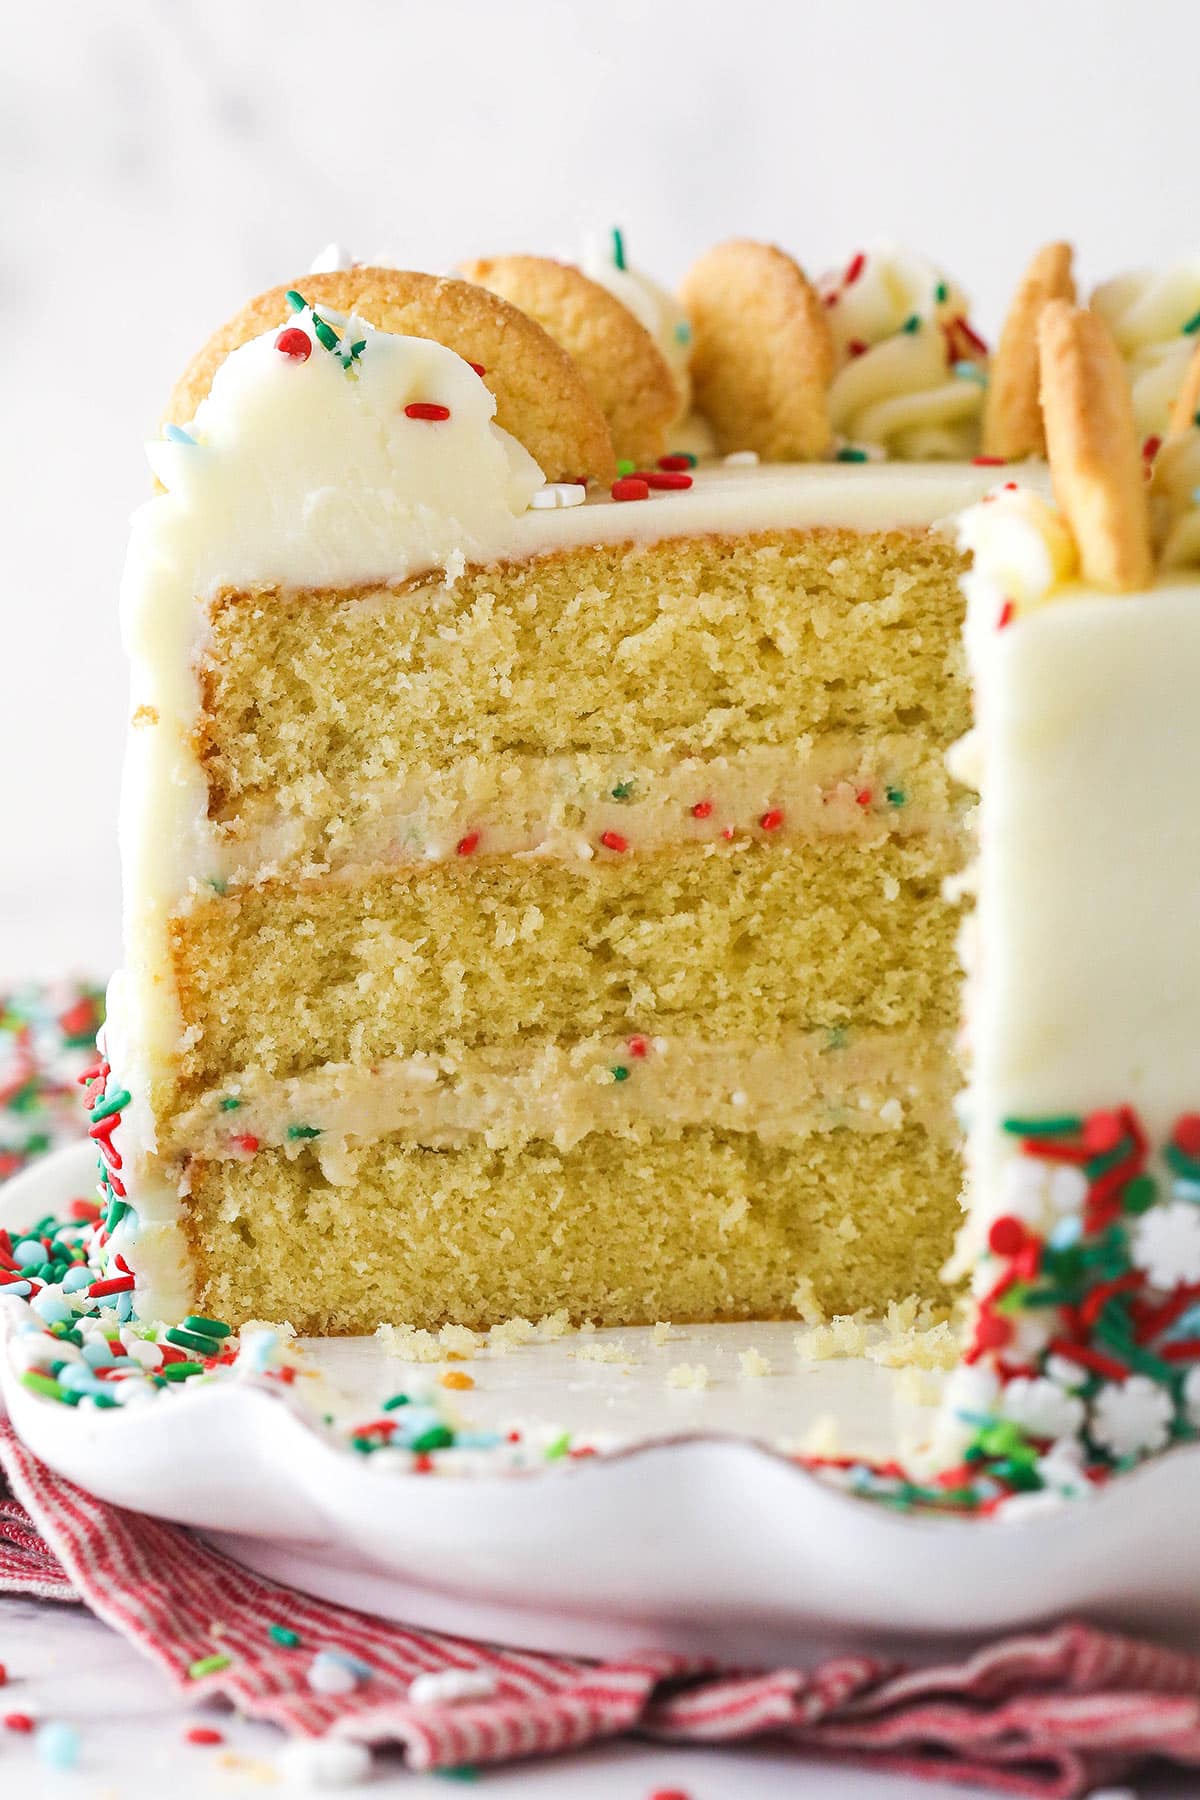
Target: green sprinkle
[
  {"x": 325, "y": 333},
  {"x": 218, "y": 884},
  {"x": 848, "y": 454},
  {"x": 623, "y": 790},
  {"x": 1061, "y": 1125},
  {"x": 458, "y": 1772},
  {"x": 303, "y": 1131},
  {"x": 618, "y": 249},
  {"x": 1141, "y": 1194},
  {"x": 116, "y": 1212},
  {"x": 180, "y": 1371},
  {"x": 283, "y": 1634},
  {"x": 210, "y": 1327},
  {"x": 364, "y": 1445},
  {"x": 1100, "y": 1165},
  {"x": 296, "y": 301},
  {"x": 620, "y": 1072},
  {"x": 209, "y": 1665},
  {"x": 394, "y": 1401},
  {"x": 1182, "y": 1164},
  {"x": 683, "y": 332},
  {"x": 192, "y": 1340},
  {"x": 625, "y": 467},
  {"x": 692, "y": 460},
  {"x": 1192, "y": 325},
  {"x": 558, "y": 1449},
  {"x": 835, "y": 1037},
  {"x": 46, "y": 1384},
  {"x": 896, "y": 796},
  {"x": 438, "y": 1437},
  {"x": 110, "y": 1104},
  {"x": 229, "y": 1103},
  {"x": 941, "y": 293},
  {"x": 912, "y": 323}
]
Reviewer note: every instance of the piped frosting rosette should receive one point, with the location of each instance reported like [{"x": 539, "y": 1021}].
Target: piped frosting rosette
[
  {"x": 911, "y": 369},
  {"x": 654, "y": 307},
  {"x": 1154, "y": 315}
]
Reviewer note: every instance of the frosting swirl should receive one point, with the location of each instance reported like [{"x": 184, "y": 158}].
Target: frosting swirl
[
  {"x": 1022, "y": 552},
  {"x": 911, "y": 369},
  {"x": 1154, "y": 315},
  {"x": 653, "y": 307}
]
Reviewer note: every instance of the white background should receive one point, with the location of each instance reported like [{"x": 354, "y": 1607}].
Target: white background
[{"x": 161, "y": 160}]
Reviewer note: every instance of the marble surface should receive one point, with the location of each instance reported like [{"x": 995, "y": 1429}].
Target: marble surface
[
  {"x": 63, "y": 1664},
  {"x": 162, "y": 161}
]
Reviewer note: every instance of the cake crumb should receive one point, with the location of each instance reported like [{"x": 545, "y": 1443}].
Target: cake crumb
[
  {"x": 805, "y": 1305},
  {"x": 688, "y": 1375},
  {"x": 845, "y": 1335},
  {"x": 409, "y": 1343},
  {"x": 603, "y": 1353},
  {"x": 662, "y": 1331},
  {"x": 754, "y": 1362},
  {"x": 822, "y": 1438}
]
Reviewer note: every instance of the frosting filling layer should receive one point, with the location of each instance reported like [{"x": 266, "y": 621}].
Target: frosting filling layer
[
  {"x": 838, "y": 785},
  {"x": 806, "y": 1081}
]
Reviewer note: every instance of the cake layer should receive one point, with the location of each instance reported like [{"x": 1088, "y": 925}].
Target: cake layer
[
  {"x": 696, "y": 1225},
  {"x": 840, "y": 784},
  {"x": 722, "y": 940},
  {"x": 803, "y": 1082},
  {"x": 704, "y": 643}
]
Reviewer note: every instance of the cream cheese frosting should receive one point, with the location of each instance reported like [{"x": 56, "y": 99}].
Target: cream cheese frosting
[
  {"x": 653, "y": 306},
  {"x": 911, "y": 368},
  {"x": 1154, "y": 315}
]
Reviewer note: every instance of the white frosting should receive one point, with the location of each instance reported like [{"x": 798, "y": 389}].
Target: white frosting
[
  {"x": 1084, "y": 979},
  {"x": 654, "y": 307},
  {"x": 910, "y": 380},
  {"x": 293, "y": 472},
  {"x": 1147, "y": 311}
]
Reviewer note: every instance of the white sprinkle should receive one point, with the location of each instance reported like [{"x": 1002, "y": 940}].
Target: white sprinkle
[
  {"x": 326, "y": 1762},
  {"x": 332, "y": 258},
  {"x": 559, "y": 493},
  {"x": 329, "y": 1674},
  {"x": 449, "y": 1686},
  {"x": 741, "y": 459}
]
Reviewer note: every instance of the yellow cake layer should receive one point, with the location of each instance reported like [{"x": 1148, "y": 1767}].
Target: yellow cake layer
[
  {"x": 697, "y": 1225},
  {"x": 719, "y": 940},
  {"x": 692, "y": 645}
]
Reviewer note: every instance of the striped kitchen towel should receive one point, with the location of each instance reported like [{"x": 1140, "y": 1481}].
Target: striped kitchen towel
[{"x": 1050, "y": 1714}]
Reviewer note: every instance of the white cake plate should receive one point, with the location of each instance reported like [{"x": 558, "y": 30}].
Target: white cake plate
[{"x": 697, "y": 1537}]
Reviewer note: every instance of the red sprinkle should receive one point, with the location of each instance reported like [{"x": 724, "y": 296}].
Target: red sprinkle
[
  {"x": 1102, "y": 1131},
  {"x": 203, "y": 1734},
  {"x": 479, "y": 369},
  {"x": 702, "y": 809},
  {"x": 612, "y": 840},
  {"x": 466, "y": 845},
  {"x": 630, "y": 487},
  {"x": 246, "y": 1142},
  {"x": 863, "y": 797},
  {"x": 1007, "y": 614},
  {"x": 422, "y": 1463},
  {"x": 772, "y": 820},
  {"x": 295, "y": 344},
  {"x": 854, "y": 268},
  {"x": 988, "y": 462},
  {"x": 655, "y": 478},
  {"x": 1088, "y": 1358},
  {"x": 973, "y": 338},
  {"x": 1182, "y": 1350},
  {"x": 639, "y": 1046},
  {"x": 116, "y": 1284},
  {"x": 3, "y": 1674},
  {"x": 1007, "y": 1236},
  {"x": 1151, "y": 448},
  {"x": 426, "y": 409},
  {"x": 858, "y": 347},
  {"x": 675, "y": 462},
  {"x": 84, "y": 1209},
  {"x": 18, "y": 1722},
  {"x": 1186, "y": 1135},
  {"x": 993, "y": 1331}
]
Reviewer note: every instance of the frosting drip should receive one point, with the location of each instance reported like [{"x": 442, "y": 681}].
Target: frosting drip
[{"x": 911, "y": 369}]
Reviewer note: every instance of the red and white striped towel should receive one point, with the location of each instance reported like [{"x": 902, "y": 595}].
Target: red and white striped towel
[{"x": 1047, "y": 1715}]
